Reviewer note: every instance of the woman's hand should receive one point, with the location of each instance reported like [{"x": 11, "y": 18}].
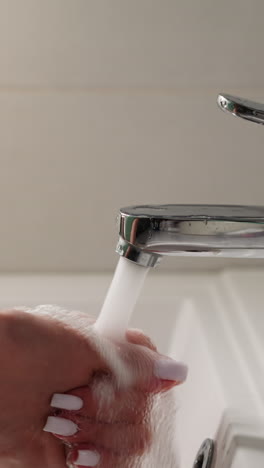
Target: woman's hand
[
  {"x": 48, "y": 351},
  {"x": 111, "y": 427},
  {"x": 41, "y": 353}
]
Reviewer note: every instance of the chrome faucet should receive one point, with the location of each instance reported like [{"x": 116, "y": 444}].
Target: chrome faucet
[
  {"x": 248, "y": 110},
  {"x": 148, "y": 232}
]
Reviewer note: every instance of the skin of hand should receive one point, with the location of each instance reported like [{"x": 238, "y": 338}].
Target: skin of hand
[{"x": 47, "y": 351}]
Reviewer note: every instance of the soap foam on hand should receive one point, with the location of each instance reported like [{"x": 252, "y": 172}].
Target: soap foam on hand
[
  {"x": 121, "y": 299},
  {"x": 126, "y": 361}
]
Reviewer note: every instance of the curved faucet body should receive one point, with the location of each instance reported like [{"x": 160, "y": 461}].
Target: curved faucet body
[{"x": 148, "y": 232}]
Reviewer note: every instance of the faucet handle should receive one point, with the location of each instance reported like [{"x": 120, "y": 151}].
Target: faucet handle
[{"x": 248, "y": 110}]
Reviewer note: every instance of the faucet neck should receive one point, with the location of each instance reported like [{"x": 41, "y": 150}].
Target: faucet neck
[{"x": 148, "y": 232}]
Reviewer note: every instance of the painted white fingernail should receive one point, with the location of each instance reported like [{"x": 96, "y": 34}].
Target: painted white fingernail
[
  {"x": 168, "y": 369},
  {"x": 68, "y": 402},
  {"x": 87, "y": 458},
  {"x": 60, "y": 426}
]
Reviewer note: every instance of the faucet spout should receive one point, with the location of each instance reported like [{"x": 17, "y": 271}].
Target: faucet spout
[
  {"x": 243, "y": 108},
  {"x": 148, "y": 232}
]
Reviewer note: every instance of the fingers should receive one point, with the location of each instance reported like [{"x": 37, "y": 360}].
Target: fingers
[
  {"x": 121, "y": 427},
  {"x": 130, "y": 407},
  {"x": 119, "y": 438},
  {"x": 87, "y": 455}
]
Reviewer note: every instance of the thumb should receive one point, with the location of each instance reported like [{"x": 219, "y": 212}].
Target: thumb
[
  {"x": 168, "y": 372},
  {"x": 152, "y": 371},
  {"x": 135, "y": 363}
]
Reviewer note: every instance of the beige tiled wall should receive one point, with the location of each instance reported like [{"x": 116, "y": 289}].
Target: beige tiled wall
[{"x": 105, "y": 103}]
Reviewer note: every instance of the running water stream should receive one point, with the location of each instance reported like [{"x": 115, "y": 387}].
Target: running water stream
[{"x": 121, "y": 299}]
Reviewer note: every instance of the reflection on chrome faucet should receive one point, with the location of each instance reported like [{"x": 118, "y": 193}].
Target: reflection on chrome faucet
[{"x": 148, "y": 232}]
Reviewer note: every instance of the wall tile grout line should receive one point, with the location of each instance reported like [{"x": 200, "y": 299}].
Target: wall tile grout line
[{"x": 133, "y": 90}]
